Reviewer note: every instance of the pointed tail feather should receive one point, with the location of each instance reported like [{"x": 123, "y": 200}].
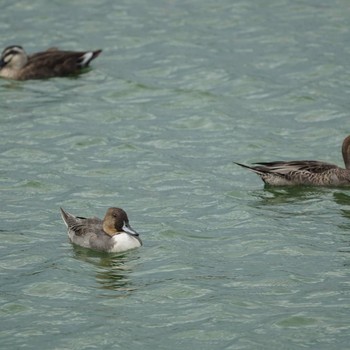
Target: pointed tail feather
[
  {"x": 253, "y": 169},
  {"x": 243, "y": 165},
  {"x": 87, "y": 57},
  {"x": 67, "y": 218}
]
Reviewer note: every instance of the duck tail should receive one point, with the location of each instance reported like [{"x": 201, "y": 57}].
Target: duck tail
[
  {"x": 257, "y": 170},
  {"x": 67, "y": 218},
  {"x": 87, "y": 57}
]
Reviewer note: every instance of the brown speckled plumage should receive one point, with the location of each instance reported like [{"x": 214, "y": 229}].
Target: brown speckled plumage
[{"x": 305, "y": 172}]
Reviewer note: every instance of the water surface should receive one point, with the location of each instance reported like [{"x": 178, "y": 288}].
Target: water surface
[{"x": 181, "y": 90}]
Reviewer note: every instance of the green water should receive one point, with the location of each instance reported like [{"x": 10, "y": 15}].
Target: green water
[{"x": 181, "y": 90}]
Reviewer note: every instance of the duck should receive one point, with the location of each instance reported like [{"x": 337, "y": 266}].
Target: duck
[
  {"x": 113, "y": 234},
  {"x": 304, "y": 172},
  {"x": 17, "y": 65}
]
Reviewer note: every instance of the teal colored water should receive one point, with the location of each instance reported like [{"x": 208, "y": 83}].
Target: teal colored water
[{"x": 181, "y": 90}]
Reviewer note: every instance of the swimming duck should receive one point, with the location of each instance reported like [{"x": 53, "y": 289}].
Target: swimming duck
[
  {"x": 16, "y": 64},
  {"x": 305, "y": 172},
  {"x": 113, "y": 234}
]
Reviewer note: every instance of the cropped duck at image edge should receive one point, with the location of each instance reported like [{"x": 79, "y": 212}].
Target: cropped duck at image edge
[
  {"x": 305, "y": 172},
  {"x": 16, "y": 64}
]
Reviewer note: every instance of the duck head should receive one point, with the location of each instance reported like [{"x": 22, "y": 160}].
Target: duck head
[
  {"x": 13, "y": 57},
  {"x": 116, "y": 221}
]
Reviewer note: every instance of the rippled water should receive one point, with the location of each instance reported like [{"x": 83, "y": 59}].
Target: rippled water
[{"x": 182, "y": 89}]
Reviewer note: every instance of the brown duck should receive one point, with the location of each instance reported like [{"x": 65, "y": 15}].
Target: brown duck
[
  {"x": 305, "y": 172},
  {"x": 16, "y": 64},
  {"x": 113, "y": 234}
]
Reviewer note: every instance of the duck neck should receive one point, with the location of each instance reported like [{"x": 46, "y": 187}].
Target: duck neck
[
  {"x": 346, "y": 152},
  {"x": 109, "y": 229}
]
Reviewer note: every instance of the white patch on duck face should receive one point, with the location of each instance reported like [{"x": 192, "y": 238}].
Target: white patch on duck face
[
  {"x": 8, "y": 58},
  {"x": 14, "y": 58},
  {"x": 123, "y": 241},
  {"x": 11, "y": 52}
]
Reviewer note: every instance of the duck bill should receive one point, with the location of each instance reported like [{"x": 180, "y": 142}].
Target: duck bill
[
  {"x": 127, "y": 229},
  {"x": 2, "y": 63}
]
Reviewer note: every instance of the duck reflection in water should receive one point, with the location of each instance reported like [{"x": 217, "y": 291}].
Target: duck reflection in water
[
  {"x": 343, "y": 200},
  {"x": 112, "y": 271},
  {"x": 282, "y": 195}
]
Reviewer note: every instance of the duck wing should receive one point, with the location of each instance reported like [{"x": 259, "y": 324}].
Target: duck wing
[
  {"x": 284, "y": 168},
  {"x": 54, "y": 63}
]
